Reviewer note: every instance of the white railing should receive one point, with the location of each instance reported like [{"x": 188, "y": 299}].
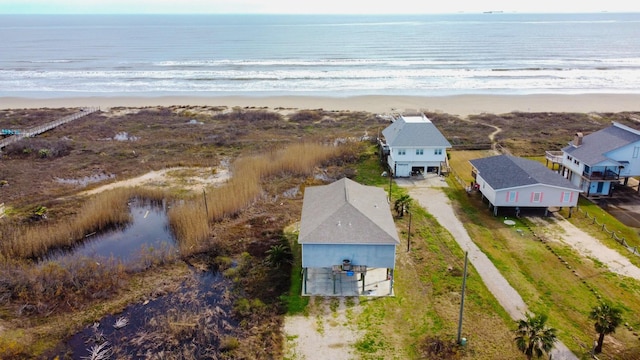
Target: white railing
[{"x": 46, "y": 127}]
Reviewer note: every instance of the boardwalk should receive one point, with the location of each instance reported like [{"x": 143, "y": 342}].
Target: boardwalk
[{"x": 36, "y": 130}]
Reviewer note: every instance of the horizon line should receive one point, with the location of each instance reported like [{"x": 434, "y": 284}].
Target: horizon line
[{"x": 487, "y": 12}]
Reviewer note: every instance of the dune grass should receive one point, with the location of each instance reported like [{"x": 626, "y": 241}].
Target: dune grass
[{"x": 191, "y": 221}]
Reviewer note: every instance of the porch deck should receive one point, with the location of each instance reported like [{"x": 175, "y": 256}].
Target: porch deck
[{"x": 321, "y": 282}]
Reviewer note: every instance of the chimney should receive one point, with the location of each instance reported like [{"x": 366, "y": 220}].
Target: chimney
[{"x": 577, "y": 141}]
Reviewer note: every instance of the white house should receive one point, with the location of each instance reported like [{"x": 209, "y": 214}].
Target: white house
[
  {"x": 346, "y": 232},
  {"x": 598, "y": 161},
  {"x": 509, "y": 181},
  {"x": 415, "y": 145}
]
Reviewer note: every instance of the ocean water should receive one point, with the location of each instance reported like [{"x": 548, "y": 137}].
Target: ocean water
[{"x": 430, "y": 55}]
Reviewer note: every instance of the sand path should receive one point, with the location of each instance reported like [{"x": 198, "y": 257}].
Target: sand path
[
  {"x": 588, "y": 246},
  {"x": 196, "y": 179},
  {"x": 323, "y": 333}
]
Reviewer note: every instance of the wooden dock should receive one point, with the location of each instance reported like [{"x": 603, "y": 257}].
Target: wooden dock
[{"x": 36, "y": 130}]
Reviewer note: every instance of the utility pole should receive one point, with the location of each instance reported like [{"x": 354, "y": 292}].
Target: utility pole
[
  {"x": 464, "y": 282},
  {"x": 409, "y": 234}
]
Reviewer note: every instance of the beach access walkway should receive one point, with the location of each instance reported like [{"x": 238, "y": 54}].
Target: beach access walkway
[
  {"x": 428, "y": 194},
  {"x": 36, "y": 130}
]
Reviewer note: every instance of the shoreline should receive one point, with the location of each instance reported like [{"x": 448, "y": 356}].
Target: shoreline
[{"x": 461, "y": 105}]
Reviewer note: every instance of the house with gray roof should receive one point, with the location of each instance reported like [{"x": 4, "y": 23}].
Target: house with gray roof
[
  {"x": 513, "y": 182},
  {"x": 596, "y": 162},
  {"x": 346, "y": 232},
  {"x": 414, "y": 145}
]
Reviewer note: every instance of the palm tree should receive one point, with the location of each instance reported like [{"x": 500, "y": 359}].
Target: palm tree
[
  {"x": 533, "y": 337},
  {"x": 279, "y": 254},
  {"x": 401, "y": 205},
  {"x": 607, "y": 318}
]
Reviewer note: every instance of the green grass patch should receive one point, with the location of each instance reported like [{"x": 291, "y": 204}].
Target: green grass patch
[
  {"x": 294, "y": 301},
  {"x": 428, "y": 283},
  {"x": 550, "y": 276}
]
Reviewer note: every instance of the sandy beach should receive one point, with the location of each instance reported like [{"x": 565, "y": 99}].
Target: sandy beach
[{"x": 461, "y": 105}]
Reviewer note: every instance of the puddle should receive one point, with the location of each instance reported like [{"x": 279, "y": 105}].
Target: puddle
[
  {"x": 192, "y": 322},
  {"x": 148, "y": 231},
  {"x": 86, "y": 180}
]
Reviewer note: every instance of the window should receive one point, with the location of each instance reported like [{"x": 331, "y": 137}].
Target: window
[
  {"x": 437, "y": 151},
  {"x": 419, "y": 151},
  {"x": 402, "y": 152},
  {"x": 636, "y": 151},
  {"x": 566, "y": 197},
  {"x": 512, "y": 196},
  {"x": 569, "y": 158},
  {"x": 576, "y": 162},
  {"x": 536, "y": 197}
]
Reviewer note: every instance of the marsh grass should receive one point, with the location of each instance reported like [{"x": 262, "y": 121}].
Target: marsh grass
[
  {"x": 191, "y": 220},
  {"x": 57, "y": 286},
  {"x": 107, "y": 209}
]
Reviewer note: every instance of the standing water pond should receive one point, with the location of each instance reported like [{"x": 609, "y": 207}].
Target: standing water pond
[
  {"x": 193, "y": 317},
  {"x": 146, "y": 233}
]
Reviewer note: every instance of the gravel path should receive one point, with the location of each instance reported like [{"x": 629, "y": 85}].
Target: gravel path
[{"x": 436, "y": 203}]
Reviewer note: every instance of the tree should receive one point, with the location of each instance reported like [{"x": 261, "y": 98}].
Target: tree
[
  {"x": 607, "y": 318},
  {"x": 401, "y": 205},
  {"x": 533, "y": 337}
]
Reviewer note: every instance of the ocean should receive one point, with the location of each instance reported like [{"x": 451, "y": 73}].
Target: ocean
[{"x": 320, "y": 55}]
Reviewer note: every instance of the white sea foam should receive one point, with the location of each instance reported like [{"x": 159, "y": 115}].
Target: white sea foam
[{"x": 427, "y": 54}]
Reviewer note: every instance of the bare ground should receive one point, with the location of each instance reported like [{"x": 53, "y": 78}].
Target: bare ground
[
  {"x": 587, "y": 246},
  {"x": 323, "y": 333}
]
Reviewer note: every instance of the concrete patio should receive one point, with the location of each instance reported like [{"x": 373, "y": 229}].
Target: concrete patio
[{"x": 322, "y": 282}]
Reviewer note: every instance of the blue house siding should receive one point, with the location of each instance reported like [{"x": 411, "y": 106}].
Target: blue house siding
[{"x": 326, "y": 255}]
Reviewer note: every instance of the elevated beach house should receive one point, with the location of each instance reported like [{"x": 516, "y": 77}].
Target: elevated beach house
[
  {"x": 414, "y": 145},
  {"x": 512, "y": 182},
  {"x": 348, "y": 240},
  {"x": 596, "y": 162}
]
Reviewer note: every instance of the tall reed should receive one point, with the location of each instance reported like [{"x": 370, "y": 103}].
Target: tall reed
[
  {"x": 104, "y": 210},
  {"x": 190, "y": 221}
]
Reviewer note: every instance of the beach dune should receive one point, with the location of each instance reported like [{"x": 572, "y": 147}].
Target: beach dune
[{"x": 461, "y": 105}]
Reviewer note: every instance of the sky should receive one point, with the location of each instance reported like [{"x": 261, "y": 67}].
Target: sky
[{"x": 308, "y": 6}]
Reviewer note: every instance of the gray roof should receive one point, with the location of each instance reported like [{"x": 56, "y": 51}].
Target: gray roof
[
  {"x": 596, "y": 145},
  {"x": 507, "y": 171},
  {"x": 345, "y": 212},
  {"x": 414, "y": 131}
]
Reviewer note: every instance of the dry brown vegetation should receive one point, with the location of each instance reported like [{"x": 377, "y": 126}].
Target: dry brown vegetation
[
  {"x": 531, "y": 134},
  {"x": 34, "y": 239},
  {"x": 236, "y": 224},
  {"x": 191, "y": 220},
  {"x": 245, "y": 215}
]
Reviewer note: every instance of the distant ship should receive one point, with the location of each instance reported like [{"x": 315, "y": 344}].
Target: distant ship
[{"x": 493, "y": 12}]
